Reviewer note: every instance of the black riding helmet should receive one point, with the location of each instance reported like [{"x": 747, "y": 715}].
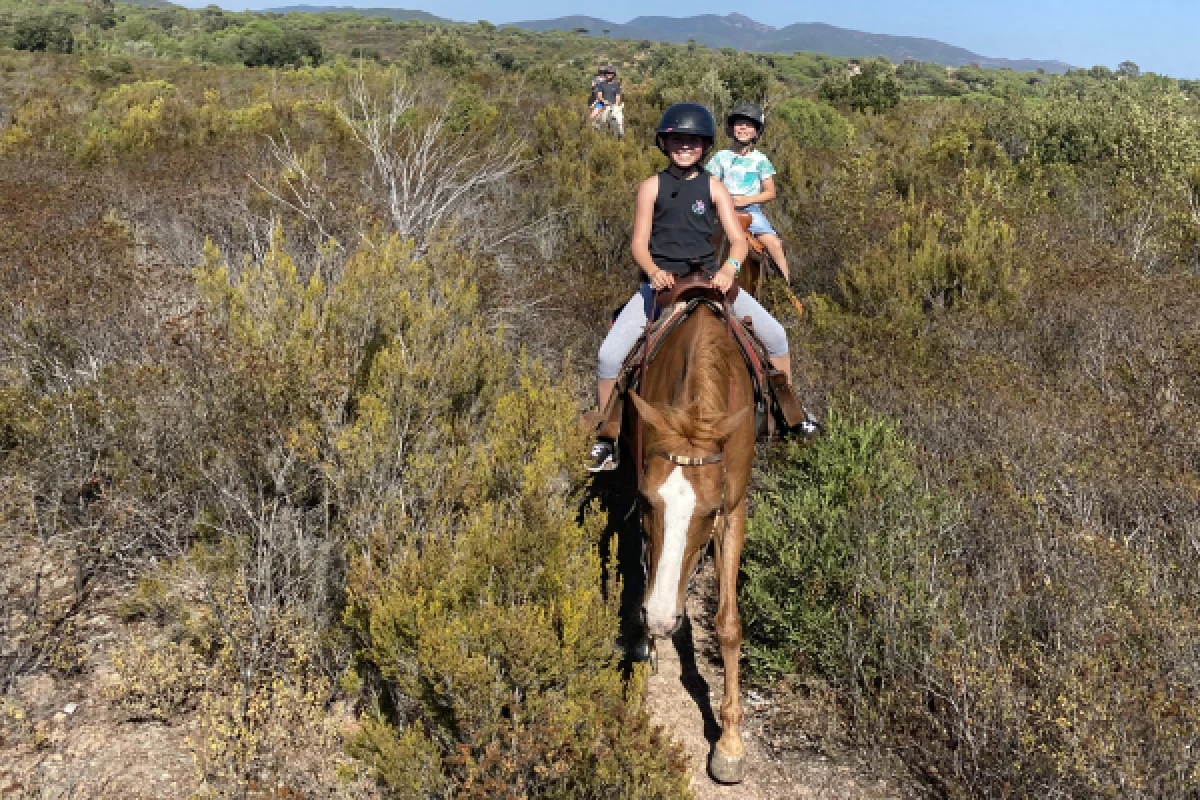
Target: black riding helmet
[
  {"x": 747, "y": 111},
  {"x": 689, "y": 118}
]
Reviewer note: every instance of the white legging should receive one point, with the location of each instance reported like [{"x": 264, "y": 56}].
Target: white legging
[{"x": 632, "y": 320}]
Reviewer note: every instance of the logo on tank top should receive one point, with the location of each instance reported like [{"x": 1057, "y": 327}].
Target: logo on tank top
[{"x": 698, "y": 207}]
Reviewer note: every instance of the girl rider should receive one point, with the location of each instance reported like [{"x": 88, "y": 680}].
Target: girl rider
[
  {"x": 672, "y": 226},
  {"x": 746, "y": 173}
]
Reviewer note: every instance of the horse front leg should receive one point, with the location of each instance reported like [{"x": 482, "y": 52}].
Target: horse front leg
[{"x": 728, "y": 761}]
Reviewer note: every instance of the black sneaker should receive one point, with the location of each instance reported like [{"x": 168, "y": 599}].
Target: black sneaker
[
  {"x": 810, "y": 427},
  {"x": 603, "y": 456}
]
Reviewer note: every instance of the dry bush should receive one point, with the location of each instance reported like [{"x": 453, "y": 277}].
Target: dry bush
[
  {"x": 1062, "y": 656},
  {"x": 157, "y": 681},
  {"x": 446, "y": 487},
  {"x": 69, "y": 325}
]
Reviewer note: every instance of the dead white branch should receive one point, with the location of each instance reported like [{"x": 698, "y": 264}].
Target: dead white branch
[
  {"x": 426, "y": 174},
  {"x": 298, "y": 190}
]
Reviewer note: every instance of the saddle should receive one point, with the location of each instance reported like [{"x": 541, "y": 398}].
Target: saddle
[{"x": 776, "y": 406}]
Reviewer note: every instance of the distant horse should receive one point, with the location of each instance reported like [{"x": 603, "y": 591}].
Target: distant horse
[
  {"x": 611, "y": 119},
  {"x": 696, "y": 407}
]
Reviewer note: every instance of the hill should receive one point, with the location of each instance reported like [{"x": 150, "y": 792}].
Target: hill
[
  {"x": 742, "y": 33},
  {"x": 394, "y": 14}
]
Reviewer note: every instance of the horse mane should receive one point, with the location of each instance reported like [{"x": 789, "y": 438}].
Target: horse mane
[{"x": 705, "y": 361}]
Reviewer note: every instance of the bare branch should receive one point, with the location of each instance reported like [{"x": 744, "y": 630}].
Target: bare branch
[{"x": 425, "y": 174}]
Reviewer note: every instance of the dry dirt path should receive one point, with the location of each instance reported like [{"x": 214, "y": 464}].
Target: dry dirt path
[{"x": 686, "y": 693}]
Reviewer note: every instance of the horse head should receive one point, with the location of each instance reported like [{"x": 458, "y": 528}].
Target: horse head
[{"x": 683, "y": 496}]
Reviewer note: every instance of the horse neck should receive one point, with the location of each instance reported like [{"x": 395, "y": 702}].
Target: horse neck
[{"x": 694, "y": 367}]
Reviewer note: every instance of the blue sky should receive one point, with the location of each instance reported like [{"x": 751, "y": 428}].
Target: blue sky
[{"x": 1160, "y": 35}]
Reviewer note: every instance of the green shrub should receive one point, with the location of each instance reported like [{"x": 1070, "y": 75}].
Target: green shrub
[
  {"x": 43, "y": 33},
  {"x": 841, "y": 574},
  {"x": 932, "y": 263},
  {"x": 1146, "y": 132},
  {"x": 449, "y": 50},
  {"x": 813, "y": 124},
  {"x": 473, "y": 590},
  {"x": 263, "y": 44},
  {"x": 128, "y": 119},
  {"x": 874, "y": 88}
]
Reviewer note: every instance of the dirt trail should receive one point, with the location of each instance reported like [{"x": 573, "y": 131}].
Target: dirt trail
[{"x": 685, "y": 696}]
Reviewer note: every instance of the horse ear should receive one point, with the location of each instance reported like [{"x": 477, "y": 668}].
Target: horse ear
[
  {"x": 653, "y": 417},
  {"x": 730, "y": 424}
]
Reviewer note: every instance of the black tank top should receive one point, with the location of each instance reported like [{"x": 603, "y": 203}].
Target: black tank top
[{"x": 683, "y": 223}]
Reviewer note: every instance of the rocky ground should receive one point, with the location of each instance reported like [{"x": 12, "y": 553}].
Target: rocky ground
[{"x": 60, "y": 737}]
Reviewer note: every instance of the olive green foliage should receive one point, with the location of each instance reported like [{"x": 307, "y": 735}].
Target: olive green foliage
[
  {"x": 1140, "y": 130},
  {"x": 872, "y": 88},
  {"x": 261, "y": 44},
  {"x": 813, "y": 124},
  {"x": 379, "y": 484},
  {"x": 930, "y": 262},
  {"x": 475, "y": 592},
  {"x": 1021, "y": 422},
  {"x": 845, "y": 573},
  {"x": 43, "y": 33},
  {"x": 1140, "y": 142},
  {"x": 449, "y": 50}
]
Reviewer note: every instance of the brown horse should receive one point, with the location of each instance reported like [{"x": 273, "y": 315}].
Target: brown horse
[{"x": 696, "y": 405}]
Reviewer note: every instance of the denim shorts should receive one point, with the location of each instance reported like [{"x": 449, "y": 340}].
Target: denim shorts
[{"x": 758, "y": 220}]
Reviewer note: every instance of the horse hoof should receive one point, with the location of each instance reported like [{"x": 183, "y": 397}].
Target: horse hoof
[
  {"x": 641, "y": 652},
  {"x": 726, "y": 769}
]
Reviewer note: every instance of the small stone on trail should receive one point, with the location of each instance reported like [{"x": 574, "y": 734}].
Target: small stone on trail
[{"x": 70, "y": 708}]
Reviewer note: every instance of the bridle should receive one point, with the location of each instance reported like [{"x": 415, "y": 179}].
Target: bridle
[
  {"x": 692, "y": 461},
  {"x": 699, "y": 461}
]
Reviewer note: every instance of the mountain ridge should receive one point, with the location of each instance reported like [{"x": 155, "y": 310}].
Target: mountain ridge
[
  {"x": 739, "y": 32},
  {"x": 743, "y": 33},
  {"x": 394, "y": 14}
]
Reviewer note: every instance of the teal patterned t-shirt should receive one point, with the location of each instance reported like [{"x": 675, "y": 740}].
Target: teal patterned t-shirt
[{"x": 742, "y": 175}]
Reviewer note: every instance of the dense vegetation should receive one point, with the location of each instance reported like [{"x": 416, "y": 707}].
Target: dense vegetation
[{"x": 326, "y": 422}]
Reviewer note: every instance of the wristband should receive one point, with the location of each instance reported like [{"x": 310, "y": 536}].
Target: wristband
[{"x": 737, "y": 265}]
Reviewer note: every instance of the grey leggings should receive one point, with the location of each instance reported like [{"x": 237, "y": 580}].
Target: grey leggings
[{"x": 632, "y": 320}]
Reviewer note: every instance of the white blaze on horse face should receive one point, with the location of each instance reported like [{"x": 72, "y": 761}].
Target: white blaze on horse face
[{"x": 679, "y": 501}]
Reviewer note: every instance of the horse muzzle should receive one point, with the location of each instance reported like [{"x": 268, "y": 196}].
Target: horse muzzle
[{"x": 661, "y": 626}]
